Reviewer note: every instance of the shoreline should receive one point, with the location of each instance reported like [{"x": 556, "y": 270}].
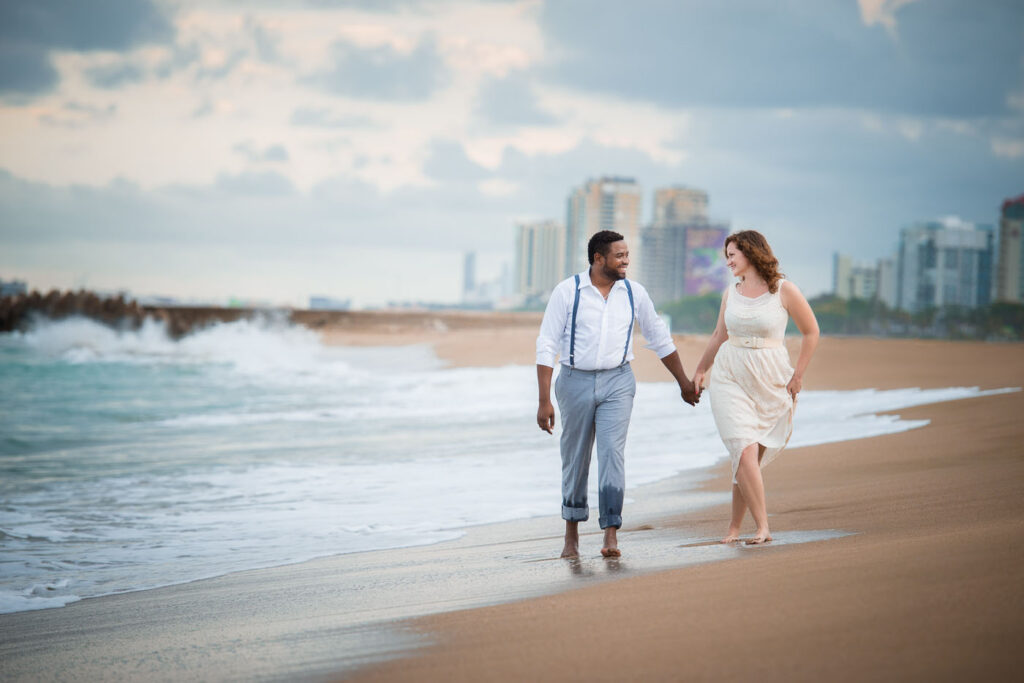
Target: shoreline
[
  {"x": 272, "y": 590},
  {"x": 394, "y": 614},
  {"x": 658, "y": 496},
  {"x": 909, "y": 594}
]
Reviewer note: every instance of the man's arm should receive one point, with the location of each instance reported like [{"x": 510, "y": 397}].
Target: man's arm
[
  {"x": 690, "y": 393},
  {"x": 549, "y": 343},
  {"x": 546, "y": 411}
]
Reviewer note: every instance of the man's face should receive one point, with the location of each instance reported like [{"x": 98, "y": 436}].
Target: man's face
[{"x": 614, "y": 263}]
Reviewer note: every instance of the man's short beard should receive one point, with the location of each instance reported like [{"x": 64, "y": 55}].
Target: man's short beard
[{"x": 613, "y": 274}]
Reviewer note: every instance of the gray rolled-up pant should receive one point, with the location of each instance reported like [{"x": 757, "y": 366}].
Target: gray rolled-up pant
[{"x": 595, "y": 405}]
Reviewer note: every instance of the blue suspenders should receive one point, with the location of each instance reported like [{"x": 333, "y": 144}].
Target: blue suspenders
[
  {"x": 575, "y": 308},
  {"x": 572, "y": 336},
  {"x": 632, "y": 317}
]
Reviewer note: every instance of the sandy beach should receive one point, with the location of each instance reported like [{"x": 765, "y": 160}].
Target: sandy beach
[
  {"x": 920, "y": 577},
  {"x": 929, "y": 585}
]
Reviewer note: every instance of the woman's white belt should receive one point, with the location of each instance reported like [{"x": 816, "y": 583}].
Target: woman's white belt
[{"x": 755, "y": 342}]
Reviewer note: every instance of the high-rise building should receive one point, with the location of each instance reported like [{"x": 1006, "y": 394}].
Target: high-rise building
[
  {"x": 681, "y": 249},
  {"x": 679, "y": 205},
  {"x": 539, "y": 258},
  {"x": 887, "y": 283},
  {"x": 1009, "y": 273},
  {"x": 854, "y": 280},
  {"x": 468, "y": 274},
  {"x": 663, "y": 252},
  {"x": 608, "y": 203},
  {"x": 841, "y": 267},
  {"x": 705, "y": 259},
  {"x": 684, "y": 259},
  {"x": 945, "y": 263}
]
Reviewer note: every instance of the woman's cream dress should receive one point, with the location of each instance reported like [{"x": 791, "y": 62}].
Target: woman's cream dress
[{"x": 748, "y": 379}]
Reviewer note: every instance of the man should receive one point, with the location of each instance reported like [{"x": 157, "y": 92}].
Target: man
[{"x": 589, "y": 324}]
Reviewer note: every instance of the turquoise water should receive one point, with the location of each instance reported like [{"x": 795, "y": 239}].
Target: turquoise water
[{"x": 129, "y": 460}]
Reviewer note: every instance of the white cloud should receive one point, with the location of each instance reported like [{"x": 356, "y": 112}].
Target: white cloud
[
  {"x": 881, "y": 12},
  {"x": 1008, "y": 148},
  {"x": 196, "y": 128},
  {"x": 497, "y": 187}
]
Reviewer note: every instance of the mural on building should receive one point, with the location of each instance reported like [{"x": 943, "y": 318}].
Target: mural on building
[{"x": 705, "y": 261}]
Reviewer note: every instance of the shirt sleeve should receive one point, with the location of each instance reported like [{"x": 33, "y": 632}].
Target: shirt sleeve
[
  {"x": 657, "y": 334},
  {"x": 552, "y": 327}
]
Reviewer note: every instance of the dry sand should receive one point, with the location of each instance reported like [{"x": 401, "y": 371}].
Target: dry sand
[
  {"x": 931, "y": 586},
  {"x": 840, "y": 363}
]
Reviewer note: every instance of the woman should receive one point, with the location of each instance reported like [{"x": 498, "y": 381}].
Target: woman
[{"x": 753, "y": 386}]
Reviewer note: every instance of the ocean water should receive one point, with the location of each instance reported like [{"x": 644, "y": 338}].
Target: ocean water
[{"x": 129, "y": 460}]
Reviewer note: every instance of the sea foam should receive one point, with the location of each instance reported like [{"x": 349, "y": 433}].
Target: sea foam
[{"x": 132, "y": 460}]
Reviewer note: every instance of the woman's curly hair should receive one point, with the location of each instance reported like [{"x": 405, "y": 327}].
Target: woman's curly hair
[{"x": 755, "y": 247}]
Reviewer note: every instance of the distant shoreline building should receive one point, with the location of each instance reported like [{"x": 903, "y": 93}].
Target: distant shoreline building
[
  {"x": 607, "y": 203},
  {"x": 853, "y": 280},
  {"x": 326, "y": 303},
  {"x": 468, "y": 274},
  {"x": 945, "y": 263},
  {"x": 1009, "y": 273},
  {"x": 681, "y": 249},
  {"x": 539, "y": 259},
  {"x": 679, "y": 205},
  {"x": 887, "y": 282},
  {"x": 705, "y": 259}
]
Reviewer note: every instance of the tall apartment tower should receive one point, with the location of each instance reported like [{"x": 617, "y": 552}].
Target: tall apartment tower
[
  {"x": 1009, "y": 273},
  {"x": 854, "y": 280},
  {"x": 887, "y": 284},
  {"x": 945, "y": 263},
  {"x": 468, "y": 274},
  {"x": 677, "y": 205},
  {"x": 681, "y": 248},
  {"x": 841, "y": 267},
  {"x": 540, "y": 249},
  {"x": 607, "y": 203}
]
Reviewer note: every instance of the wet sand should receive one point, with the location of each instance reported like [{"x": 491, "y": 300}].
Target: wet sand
[
  {"x": 927, "y": 584},
  {"x": 928, "y": 588}
]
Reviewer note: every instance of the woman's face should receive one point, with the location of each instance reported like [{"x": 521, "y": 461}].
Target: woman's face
[{"x": 737, "y": 262}]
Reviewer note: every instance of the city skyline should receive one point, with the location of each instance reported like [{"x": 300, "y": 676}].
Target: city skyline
[{"x": 357, "y": 150}]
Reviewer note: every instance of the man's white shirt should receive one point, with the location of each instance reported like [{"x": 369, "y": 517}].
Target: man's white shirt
[{"x": 602, "y": 326}]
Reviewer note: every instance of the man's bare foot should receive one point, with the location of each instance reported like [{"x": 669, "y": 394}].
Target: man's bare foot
[
  {"x": 732, "y": 536},
  {"x": 761, "y": 537},
  {"x": 611, "y": 543},
  {"x": 572, "y": 541}
]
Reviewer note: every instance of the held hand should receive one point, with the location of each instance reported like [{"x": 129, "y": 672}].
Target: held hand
[
  {"x": 698, "y": 379},
  {"x": 690, "y": 393},
  {"x": 794, "y": 386},
  {"x": 546, "y": 417}
]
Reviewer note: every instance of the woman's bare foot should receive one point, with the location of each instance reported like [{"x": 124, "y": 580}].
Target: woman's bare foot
[
  {"x": 611, "y": 543},
  {"x": 764, "y": 536},
  {"x": 732, "y": 536}
]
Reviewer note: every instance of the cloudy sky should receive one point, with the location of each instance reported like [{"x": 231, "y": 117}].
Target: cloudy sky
[{"x": 273, "y": 150}]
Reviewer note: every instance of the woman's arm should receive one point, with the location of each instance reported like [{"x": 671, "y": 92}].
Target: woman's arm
[
  {"x": 793, "y": 300},
  {"x": 718, "y": 337}
]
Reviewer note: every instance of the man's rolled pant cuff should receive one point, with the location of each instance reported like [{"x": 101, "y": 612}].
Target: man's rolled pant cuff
[
  {"x": 570, "y": 514},
  {"x": 610, "y": 520}
]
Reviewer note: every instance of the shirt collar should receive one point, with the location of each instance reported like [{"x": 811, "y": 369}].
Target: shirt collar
[{"x": 585, "y": 281}]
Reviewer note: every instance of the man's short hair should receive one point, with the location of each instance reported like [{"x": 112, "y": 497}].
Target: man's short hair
[{"x": 601, "y": 242}]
